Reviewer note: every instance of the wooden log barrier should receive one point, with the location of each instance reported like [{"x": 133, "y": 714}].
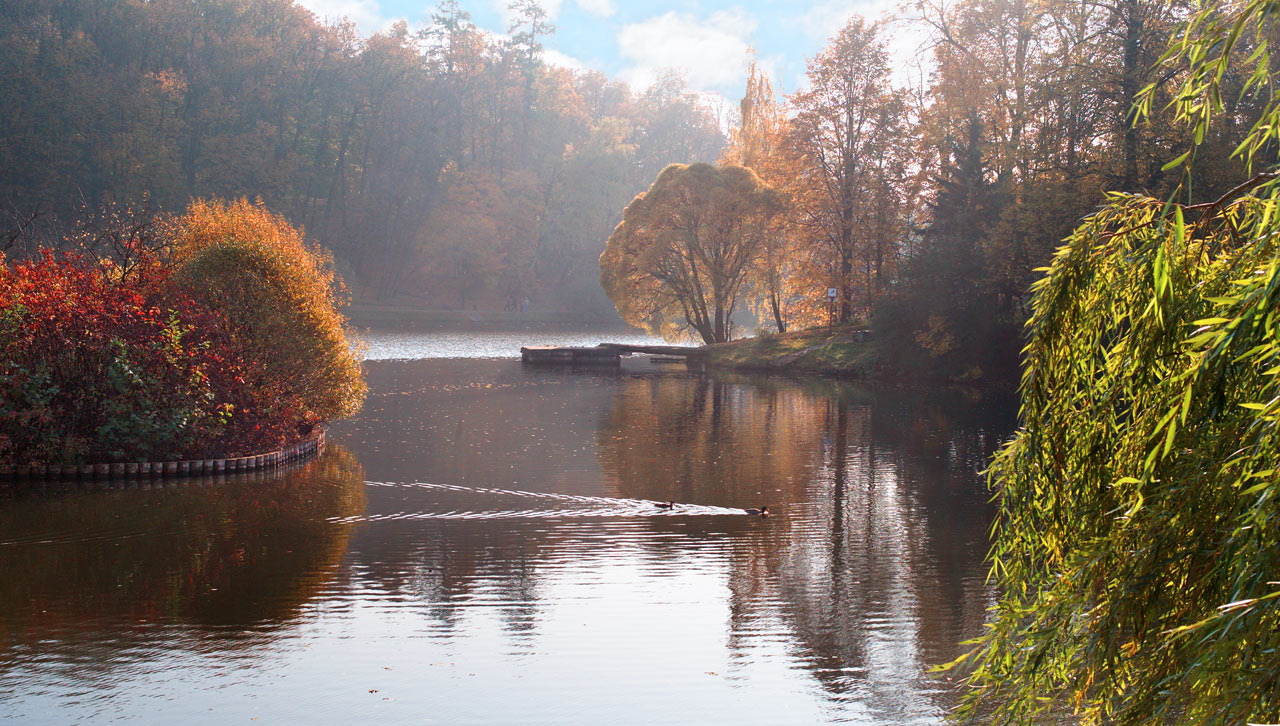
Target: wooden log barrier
[{"x": 118, "y": 470}]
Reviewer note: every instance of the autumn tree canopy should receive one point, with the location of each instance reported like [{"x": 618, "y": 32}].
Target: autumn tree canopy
[
  {"x": 278, "y": 300},
  {"x": 757, "y": 143},
  {"x": 379, "y": 145},
  {"x": 849, "y": 132},
  {"x": 680, "y": 256},
  {"x": 930, "y": 203}
]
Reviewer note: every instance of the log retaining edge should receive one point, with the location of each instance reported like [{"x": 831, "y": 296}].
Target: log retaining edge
[{"x": 134, "y": 469}]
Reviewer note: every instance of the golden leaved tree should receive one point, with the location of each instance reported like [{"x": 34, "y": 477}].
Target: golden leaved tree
[
  {"x": 680, "y": 256},
  {"x": 278, "y": 299},
  {"x": 850, "y": 135}
]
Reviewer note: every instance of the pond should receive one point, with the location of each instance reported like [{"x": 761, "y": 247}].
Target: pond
[{"x": 481, "y": 545}]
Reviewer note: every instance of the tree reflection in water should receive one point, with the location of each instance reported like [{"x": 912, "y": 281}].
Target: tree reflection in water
[
  {"x": 874, "y": 568},
  {"x": 227, "y": 553},
  {"x": 507, "y": 542},
  {"x": 871, "y": 571}
]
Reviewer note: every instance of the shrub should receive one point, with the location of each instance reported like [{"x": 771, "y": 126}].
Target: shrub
[
  {"x": 96, "y": 368},
  {"x": 276, "y": 298}
]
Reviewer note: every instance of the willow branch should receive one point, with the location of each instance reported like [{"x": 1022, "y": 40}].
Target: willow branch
[{"x": 1208, "y": 207}]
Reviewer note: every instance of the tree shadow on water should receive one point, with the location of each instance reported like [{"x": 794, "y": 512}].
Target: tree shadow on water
[{"x": 224, "y": 554}]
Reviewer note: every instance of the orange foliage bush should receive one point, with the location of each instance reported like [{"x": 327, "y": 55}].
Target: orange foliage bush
[{"x": 277, "y": 298}]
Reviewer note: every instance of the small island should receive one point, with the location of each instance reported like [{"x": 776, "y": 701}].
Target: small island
[{"x": 174, "y": 344}]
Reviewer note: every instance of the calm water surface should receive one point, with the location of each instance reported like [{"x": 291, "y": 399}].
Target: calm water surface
[
  {"x": 401, "y": 345},
  {"x": 481, "y": 546}
]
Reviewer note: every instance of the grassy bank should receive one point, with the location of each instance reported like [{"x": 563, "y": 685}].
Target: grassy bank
[{"x": 844, "y": 351}]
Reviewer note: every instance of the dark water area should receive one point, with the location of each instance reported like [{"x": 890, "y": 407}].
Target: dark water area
[{"x": 481, "y": 545}]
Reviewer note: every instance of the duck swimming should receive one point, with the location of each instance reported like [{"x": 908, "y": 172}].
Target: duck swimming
[
  {"x": 665, "y": 505},
  {"x": 763, "y": 511}
]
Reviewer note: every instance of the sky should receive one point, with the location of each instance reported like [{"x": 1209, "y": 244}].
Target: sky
[{"x": 706, "y": 40}]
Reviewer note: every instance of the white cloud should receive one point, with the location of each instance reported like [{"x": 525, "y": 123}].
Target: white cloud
[
  {"x": 710, "y": 53},
  {"x": 550, "y": 7},
  {"x": 600, "y": 8},
  {"x": 366, "y": 14},
  {"x": 556, "y": 58}
]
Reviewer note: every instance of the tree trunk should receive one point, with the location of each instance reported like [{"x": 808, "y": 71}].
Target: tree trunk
[{"x": 776, "y": 307}]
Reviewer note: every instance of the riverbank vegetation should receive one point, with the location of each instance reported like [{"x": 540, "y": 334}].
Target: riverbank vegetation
[
  {"x": 212, "y": 333},
  {"x": 1136, "y": 550},
  {"x": 846, "y": 351}
]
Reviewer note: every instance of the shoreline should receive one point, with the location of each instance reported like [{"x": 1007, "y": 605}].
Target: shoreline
[
  {"x": 846, "y": 352},
  {"x": 850, "y": 352},
  {"x": 307, "y": 448}
]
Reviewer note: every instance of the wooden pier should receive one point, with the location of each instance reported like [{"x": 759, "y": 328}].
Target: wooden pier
[
  {"x": 558, "y": 356},
  {"x": 607, "y": 354}
]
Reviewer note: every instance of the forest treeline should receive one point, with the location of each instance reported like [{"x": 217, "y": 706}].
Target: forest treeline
[
  {"x": 445, "y": 167},
  {"x": 1027, "y": 121},
  {"x": 930, "y": 206},
  {"x": 448, "y": 167}
]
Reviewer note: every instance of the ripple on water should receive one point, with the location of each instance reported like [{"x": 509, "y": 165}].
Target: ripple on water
[{"x": 572, "y": 506}]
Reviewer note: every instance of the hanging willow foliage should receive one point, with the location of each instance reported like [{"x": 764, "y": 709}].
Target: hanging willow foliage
[{"x": 1137, "y": 550}]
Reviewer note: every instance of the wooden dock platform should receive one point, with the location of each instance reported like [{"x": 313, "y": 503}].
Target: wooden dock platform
[
  {"x": 556, "y": 355},
  {"x": 688, "y": 353},
  {"x": 607, "y": 354}
]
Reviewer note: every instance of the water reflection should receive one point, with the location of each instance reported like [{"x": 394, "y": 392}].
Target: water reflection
[
  {"x": 243, "y": 551},
  {"x": 498, "y": 536},
  {"x": 873, "y": 565},
  {"x": 518, "y": 502}
]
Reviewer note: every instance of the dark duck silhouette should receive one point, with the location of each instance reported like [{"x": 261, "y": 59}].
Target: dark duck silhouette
[
  {"x": 665, "y": 505},
  {"x": 763, "y": 511}
]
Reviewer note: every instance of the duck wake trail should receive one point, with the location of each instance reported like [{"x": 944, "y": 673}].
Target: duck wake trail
[{"x": 454, "y": 501}]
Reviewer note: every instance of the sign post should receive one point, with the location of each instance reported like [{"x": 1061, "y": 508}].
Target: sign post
[{"x": 831, "y": 308}]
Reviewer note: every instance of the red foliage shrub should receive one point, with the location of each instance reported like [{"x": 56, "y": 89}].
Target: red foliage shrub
[{"x": 99, "y": 367}]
